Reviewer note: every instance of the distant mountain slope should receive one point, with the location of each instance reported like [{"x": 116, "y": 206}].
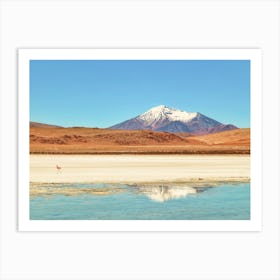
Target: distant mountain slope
[
  {"x": 163, "y": 118},
  {"x": 43, "y": 125}
]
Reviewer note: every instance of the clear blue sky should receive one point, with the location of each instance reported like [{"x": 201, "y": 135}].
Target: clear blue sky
[{"x": 102, "y": 93}]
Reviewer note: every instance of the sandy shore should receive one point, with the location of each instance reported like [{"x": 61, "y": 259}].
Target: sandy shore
[{"x": 133, "y": 169}]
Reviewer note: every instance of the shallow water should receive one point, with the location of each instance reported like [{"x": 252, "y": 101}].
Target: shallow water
[{"x": 123, "y": 202}]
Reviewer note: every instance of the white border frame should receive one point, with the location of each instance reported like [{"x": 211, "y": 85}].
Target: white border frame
[{"x": 254, "y": 55}]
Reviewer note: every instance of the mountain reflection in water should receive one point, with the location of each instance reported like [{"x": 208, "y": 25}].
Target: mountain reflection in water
[
  {"x": 159, "y": 193},
  {"x": 164, "y": 193}
]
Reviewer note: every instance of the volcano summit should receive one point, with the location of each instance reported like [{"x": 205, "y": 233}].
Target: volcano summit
[{"x": 164, "y": 118}]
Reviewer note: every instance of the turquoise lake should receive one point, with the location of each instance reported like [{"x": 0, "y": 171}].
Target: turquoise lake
[{"x": 123, "y": 202}]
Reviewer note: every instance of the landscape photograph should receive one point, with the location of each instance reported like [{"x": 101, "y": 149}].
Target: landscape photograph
[{"x": 139, "y": 140}]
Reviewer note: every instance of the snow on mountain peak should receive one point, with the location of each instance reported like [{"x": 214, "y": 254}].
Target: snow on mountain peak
[
  {"x": 162, "y": 112},
  {"x": 164, "y": 118}
]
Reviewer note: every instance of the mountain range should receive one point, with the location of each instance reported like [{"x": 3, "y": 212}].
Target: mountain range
[{"x": 164, "y": 118}]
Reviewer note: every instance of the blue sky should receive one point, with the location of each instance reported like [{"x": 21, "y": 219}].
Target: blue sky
[{"x": 101, "y": 93}]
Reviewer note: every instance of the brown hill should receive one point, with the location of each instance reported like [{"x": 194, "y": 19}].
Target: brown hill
[
  {"x": 55, "y": 139},
  {"x": 102, "y": 136},
  {"x": 43, "y": 125},
  {"x": 232, "y": 137}
]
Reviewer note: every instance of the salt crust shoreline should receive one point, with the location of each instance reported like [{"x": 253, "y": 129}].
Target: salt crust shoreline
[{"x": 147, "y": 170}]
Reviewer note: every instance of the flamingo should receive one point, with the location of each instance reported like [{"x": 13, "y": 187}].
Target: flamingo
[{"x": 58, "y": 168}]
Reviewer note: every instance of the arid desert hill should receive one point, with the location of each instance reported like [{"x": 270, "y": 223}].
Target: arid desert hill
[
  {"x": 43, "y": 125},
  {"x": 79, "y": 140},
  {"x": 227, "y": 138}
]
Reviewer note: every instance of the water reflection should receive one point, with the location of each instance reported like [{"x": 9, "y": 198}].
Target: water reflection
[
  {"x": 165, "y": 193},
  {"x": 158, "y": 193}
]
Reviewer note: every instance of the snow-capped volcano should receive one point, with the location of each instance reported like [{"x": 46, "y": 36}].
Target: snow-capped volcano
[
  {"x": 163, "y": 113},
  {"x": 164, "y": 118}
]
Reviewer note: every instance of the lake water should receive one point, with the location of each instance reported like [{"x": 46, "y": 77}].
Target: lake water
[{"x": 123, "y": 202}]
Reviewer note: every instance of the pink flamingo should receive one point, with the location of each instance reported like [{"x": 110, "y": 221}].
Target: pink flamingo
[{"x": 58, "y": 168}]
